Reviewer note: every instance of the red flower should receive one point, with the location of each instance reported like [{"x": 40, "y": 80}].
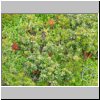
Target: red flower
[
  {"x": 15, "y": 46},
  {"x": 51, "y": 22}
]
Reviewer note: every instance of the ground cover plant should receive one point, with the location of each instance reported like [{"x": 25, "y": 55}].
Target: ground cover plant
[{"x": 49, "y": 49}]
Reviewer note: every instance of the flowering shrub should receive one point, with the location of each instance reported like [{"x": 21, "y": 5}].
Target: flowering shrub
[{"x": 51, "y": 49}]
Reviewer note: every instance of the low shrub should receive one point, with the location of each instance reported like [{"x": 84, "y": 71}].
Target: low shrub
[{"x": 50, "y": 49}]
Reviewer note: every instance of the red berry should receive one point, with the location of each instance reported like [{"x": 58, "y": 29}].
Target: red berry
[{"x": 15, "y": 46}]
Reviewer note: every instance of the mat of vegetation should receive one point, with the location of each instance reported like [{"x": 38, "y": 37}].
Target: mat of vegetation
[{"x": 49, "y": 49}]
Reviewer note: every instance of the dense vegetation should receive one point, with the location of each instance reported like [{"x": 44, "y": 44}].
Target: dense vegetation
[{"x": 49, "y": 49}]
